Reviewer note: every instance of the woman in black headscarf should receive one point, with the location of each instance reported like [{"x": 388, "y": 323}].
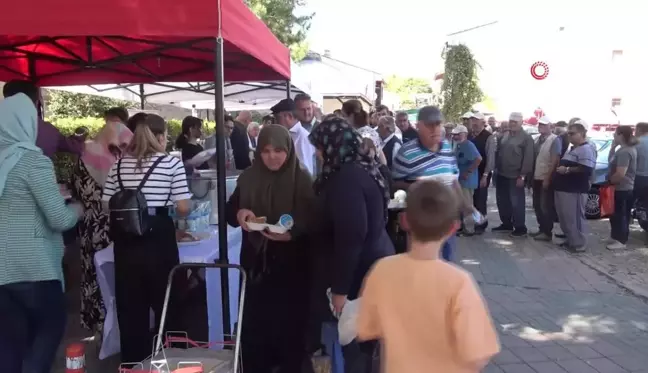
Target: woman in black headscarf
[
  {"x": 352, "y": 197},
  {"x": 276, "y": 305}
]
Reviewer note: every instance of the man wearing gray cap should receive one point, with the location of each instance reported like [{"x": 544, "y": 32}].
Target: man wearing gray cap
[
  {"x": 429, "y": 156},
  {"x": 513, "y": 163}
]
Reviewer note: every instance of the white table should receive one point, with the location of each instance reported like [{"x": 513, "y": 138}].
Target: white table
[{"x": 203, "y": 252}]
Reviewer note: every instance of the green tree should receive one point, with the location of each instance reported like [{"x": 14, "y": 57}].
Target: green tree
[
  {"x": 280, "y": 17},
  {"x": 460, "y": 89},
  {"x": 77, "y": 105},
  {"x": 410, "y": 90},
  {"x": 406, "y": 87}
]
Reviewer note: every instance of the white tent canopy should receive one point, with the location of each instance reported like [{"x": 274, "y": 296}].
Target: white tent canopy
[{"x": 238, "y": 95}]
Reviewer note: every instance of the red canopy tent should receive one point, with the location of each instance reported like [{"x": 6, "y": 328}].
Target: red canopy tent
[{"x": 81, "y": 42}]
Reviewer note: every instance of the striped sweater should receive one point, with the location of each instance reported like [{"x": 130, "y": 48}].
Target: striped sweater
[{"x": 33, "y": 216}]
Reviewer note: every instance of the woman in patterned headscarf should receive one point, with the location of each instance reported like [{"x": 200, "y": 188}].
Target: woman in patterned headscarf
[{"x": 352, "y": 196}]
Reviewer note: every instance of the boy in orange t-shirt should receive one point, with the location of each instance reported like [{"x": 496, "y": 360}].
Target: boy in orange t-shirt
[{"x": 428, "y": 313}]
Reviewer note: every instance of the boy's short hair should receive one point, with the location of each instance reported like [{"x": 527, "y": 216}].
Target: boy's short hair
[{"x": 432, "y": 210}]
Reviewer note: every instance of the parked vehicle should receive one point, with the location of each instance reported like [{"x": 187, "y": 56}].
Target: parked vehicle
[
  {"x": 593, "y": 205},
  {"x": 531, "y": 130}
]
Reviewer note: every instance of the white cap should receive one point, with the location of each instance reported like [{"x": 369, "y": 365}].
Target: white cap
[
  {"x": 477, "y": 115},
  {"x": 516, "y": 117},
  {"x": 459, "y": 129},
  {"x": 544, "y": 120},
  {"x": 467, "y": 115},
  {"x": 582, "y": 123}
]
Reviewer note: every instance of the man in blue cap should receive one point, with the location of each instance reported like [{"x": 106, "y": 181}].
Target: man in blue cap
[{"x": 429, "y": 156}]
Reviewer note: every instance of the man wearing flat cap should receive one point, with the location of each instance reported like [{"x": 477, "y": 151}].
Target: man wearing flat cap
[
  {"x": 285, "y": 113},
  {"x": 513, "y": 163}
]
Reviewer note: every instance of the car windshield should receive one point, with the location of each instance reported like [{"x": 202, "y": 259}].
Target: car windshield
[{"x": 600, "y": 144}]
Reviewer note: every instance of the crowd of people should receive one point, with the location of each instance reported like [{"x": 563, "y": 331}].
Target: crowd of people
[{"x": 336, "y": 176}]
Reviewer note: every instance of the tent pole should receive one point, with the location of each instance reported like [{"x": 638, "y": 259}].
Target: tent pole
[
  {"x": 219, "y": 117},
  {"x": 288, "y": 86},
  {"x": 141, "y": 87}
]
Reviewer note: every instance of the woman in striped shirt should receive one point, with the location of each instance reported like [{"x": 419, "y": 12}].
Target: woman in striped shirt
[{"x": 142, "y": 263}]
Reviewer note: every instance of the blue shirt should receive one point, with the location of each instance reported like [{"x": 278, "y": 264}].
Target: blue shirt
[
  {"x": 642, "y": 156},
  {"x": 467, "y": 153},
  {"x": 414, "y": 162}
]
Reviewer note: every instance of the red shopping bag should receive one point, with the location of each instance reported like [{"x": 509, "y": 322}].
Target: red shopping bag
[{"x": 606, "y": 200}]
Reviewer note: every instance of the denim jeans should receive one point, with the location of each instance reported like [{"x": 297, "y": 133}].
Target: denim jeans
[
  {"x": 510, "y": 203},
  {"x": 620, "y": 220},
  {"x": 32, "y": 323}
]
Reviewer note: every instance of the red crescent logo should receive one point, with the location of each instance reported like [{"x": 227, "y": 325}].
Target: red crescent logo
[{"x": 539, "y": 70}]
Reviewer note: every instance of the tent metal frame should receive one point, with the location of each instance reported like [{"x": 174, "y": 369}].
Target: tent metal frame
[{"x": 80, "y": 64}]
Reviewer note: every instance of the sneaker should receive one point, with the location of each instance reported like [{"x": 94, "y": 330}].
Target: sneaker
[
  {"x": 575, "y": 250},
  {"x": 560, "y": 235},
  {"x": 616, "y": 245},
  {"x": 518, "y": 233},
  {"x": 466, "y": 234},
  {"x": 535, "y": 234},
  {"x": 610, "y": 241},
  {"x": 542, "y": 237},
  {"x": 502, "y": 228}
]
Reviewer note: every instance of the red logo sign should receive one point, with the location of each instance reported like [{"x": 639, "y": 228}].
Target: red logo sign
[{"x": 539, "y": 70}]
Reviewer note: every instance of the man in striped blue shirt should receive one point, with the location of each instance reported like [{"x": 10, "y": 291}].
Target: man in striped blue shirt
[{"x": 428, "y": 157}]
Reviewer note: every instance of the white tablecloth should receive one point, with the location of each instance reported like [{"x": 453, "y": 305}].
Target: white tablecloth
[{"x": 203, "y": 252}]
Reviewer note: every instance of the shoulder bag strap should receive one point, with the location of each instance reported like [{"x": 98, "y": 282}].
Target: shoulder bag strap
[
  {"x": 149, "y": 172},
  {"x": 119, "y": 179}
]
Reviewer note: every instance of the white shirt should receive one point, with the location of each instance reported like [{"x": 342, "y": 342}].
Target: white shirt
[
  {"x": 397, "y": 145},
  {"x": 303, "y": 147},
  {"x": 166, "y": 184}
]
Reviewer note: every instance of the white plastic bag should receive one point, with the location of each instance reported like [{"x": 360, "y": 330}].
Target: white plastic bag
[{"x": 347, "y": 321}]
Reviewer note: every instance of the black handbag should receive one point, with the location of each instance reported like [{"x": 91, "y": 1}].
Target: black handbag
[{"x": 128, "y": 206}]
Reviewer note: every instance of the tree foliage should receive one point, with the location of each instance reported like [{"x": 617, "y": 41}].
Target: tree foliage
[
  {"x": 460, "y": 89},
  {"x": 66, "y": 104},
  {"x": 412, "y": 92},
  {"x": 280, "y": 17},
  {"x": 406, "y": 87}
]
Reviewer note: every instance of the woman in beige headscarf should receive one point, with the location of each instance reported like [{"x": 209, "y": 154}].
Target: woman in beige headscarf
[
  {"x": 88, "y": 178},
  {"x": 276, "y": 304}
]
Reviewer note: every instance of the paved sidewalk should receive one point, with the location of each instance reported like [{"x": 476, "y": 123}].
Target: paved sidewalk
[{"x": 555, "y": 313}]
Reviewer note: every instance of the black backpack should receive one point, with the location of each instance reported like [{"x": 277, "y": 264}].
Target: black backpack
[{"x": 128, "y": 207}]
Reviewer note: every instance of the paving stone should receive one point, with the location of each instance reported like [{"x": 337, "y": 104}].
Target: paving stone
[
  {"x": 513, "y": 341},
  {"x": 576, "y": 366},
  {"x": 583, "y": 351},
  {"x": 506, "y": 357},
  {"x": 604, "y": 365},
  {"x": 631, "y": 363},
  {"x": 606, "y": 348},
  {"x": 492, "y": 368},
  {"x": 557, "y": 352},
  {"x": 517, "y": 368},
  {"x": 547, "y": 367},
  {"x": 529, "y": 354}
]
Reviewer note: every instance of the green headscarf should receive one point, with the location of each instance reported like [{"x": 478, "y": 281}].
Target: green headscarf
[{"x": 288, "y": 190}]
